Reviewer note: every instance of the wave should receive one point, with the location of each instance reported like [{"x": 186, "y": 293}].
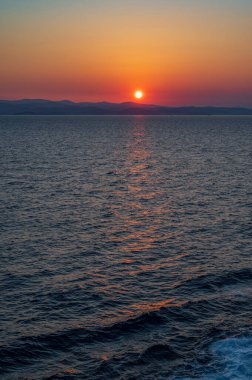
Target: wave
[
  {"x": 160, "y": 351},
  {"x": 231, "y": 358},
  {"x": 214, "y": 281},
  {"x": 187, "y": 329},
  {"x": 235, "y": 355},
  {"x": 27, "y": 348}
]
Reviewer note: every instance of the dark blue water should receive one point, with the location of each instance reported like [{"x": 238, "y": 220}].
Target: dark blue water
[{"x": 126, "y": 247}]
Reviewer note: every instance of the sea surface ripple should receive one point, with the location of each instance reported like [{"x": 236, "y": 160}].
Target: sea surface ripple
[{"x": 125, "y": 247}]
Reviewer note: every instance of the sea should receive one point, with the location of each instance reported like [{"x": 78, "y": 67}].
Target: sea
[{"x": 126, "y": 247}]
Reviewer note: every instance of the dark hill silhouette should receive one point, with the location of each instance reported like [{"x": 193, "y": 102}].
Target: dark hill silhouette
[{"x": 67, "y": 107}]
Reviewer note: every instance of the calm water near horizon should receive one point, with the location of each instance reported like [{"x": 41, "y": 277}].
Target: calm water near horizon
[{"x": 125, "y": 247}]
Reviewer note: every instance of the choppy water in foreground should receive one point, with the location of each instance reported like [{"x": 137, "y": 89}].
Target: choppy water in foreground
[{"x": 126, "y": 248}]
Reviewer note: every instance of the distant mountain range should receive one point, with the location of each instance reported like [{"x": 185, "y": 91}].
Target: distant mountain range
[{"x": 66, "y": 107}]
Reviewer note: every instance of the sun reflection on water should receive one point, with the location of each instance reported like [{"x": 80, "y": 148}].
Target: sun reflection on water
[{"x": 139, "y": 212}]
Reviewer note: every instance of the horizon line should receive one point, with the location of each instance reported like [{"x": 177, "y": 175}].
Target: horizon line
[{"x": 126, "y": 102}]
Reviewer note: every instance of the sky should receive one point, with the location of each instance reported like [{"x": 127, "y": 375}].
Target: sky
[{"x": 178, "y": 52}]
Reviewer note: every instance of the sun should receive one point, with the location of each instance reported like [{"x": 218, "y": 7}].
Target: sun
[{"x": 138, "y": 94}]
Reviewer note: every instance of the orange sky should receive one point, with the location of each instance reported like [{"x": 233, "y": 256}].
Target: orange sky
[{"x": 177, "y": 52}]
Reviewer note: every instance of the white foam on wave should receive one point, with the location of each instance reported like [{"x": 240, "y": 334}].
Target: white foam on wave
[
  {"x": 236, "y": 357},
  {"x": 233, "y": 356}
]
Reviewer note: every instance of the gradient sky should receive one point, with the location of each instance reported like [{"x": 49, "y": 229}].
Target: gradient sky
[{"x": 179, "y": 52}]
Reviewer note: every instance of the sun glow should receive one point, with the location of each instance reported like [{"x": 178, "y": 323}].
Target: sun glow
[{"x": 138, "y": 94}]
